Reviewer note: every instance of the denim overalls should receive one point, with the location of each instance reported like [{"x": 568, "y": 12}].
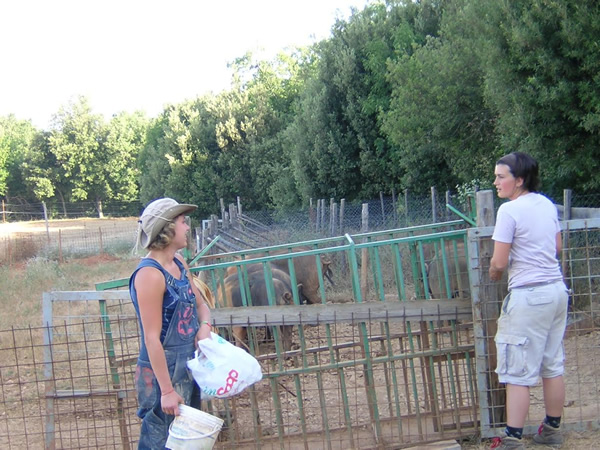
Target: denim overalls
[{"x": 180, "y": 318}]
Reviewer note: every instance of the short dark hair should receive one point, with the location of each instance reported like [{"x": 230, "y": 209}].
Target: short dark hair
[{"x": 521, "y": 165}]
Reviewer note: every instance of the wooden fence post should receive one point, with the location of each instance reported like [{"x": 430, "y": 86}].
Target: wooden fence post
[
  {"x": 395, "y": 211},
  {"x": 364, "y": 260},
  {"x": 406, "y": 206},
  {"x": 100, "y": 210},
  {"x": 490, "y": 304},
  {"x": 226, "y": 221},
  {"x": 322, "y": 215},
  {"x": 46, "y": 220},
  {"x": 382, "y": 209},
  {"x": 239, "y": 206},
  {"x": 200, "y": 238},
  {"x": 433, "y": 205},
  {"x": 213, "y": 226},
  {"x": 60, "y": 255},
  {"x": 448, "y": 202},
  {"x": 101, "y": 243},
  {"x": 233, "y": 215},
  {"x": 567, "y": 197},
  {"x": 334, "y": 217},
  {"x": 318, "y": 217},
  {"x": 188, "y": 252},
  {"x": 342, "y": 208},
  {"x": 222, "y": 203},
  {"x": 330, "y": 228},
  {"x": 343, "y": 264}
]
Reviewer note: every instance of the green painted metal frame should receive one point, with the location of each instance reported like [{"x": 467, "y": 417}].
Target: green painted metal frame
[
  {"x": 415, "y": 241},
  {"x": 464, "y": 217}
]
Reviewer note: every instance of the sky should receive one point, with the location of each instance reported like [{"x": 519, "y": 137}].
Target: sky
[{"x": 128, "y": 55}]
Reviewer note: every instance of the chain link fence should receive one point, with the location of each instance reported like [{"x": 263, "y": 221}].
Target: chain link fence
[
  {"x": 386, "y": 212},
  {"x": 333, "y": 217}
]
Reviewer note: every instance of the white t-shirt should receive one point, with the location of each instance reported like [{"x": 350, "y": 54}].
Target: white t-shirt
[{"x": 529, "y": 223}]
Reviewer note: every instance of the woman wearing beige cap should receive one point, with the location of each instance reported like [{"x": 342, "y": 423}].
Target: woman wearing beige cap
[{"x": 171, "y": 320}]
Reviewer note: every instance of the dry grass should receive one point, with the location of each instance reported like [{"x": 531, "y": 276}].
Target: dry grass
[
  {"x": 22, "y": 285},
  {"x": 31, "y": 272}
]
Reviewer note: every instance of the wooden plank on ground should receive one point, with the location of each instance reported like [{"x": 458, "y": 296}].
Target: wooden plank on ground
[{"x": 441, "y": 445}]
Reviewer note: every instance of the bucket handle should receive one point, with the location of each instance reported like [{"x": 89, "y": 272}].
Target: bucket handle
[{"x": 198, "y": 436}]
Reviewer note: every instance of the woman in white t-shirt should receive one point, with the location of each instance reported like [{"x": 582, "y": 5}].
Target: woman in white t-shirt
[{"x": 527, "y": 242}]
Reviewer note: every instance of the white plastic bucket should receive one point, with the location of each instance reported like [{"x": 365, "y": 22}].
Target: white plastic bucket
[{"x": 193, "y": 429}]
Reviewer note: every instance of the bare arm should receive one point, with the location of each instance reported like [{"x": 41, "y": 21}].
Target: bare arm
[
  {"x": 499, "y": 261},
  {"x": 150, "y": 288},
  {"x": 558, "y": 244}
]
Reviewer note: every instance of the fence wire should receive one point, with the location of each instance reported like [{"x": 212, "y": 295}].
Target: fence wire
[
  {"x": 335, "y": 392},
  {"x": 59, "y": 239}
]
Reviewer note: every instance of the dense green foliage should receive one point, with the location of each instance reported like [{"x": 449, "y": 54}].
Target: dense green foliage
[{"x": 402, "y": 95}]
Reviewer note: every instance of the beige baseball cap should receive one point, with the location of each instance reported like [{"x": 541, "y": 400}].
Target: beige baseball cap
[{"x": 157, "y": 214}]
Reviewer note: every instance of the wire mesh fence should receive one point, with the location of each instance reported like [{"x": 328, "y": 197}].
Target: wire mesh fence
[
  {"x": 405, "y": 208},
  {"x": 386, "y": 212},
  {"x": 334, "y": 217},
  {"x": 66, "y": 238},
  {"x": 54, "y": 209},
  {"x": 354, "y": 382}
]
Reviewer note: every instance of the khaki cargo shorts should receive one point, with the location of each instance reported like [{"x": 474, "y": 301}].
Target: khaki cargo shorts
[{"x": 529, "y": 341}]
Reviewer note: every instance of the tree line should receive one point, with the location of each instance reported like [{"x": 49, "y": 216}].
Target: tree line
[{"x": 402, "y": 95}]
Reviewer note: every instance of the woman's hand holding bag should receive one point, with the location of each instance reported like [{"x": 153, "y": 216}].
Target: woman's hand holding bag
[{"x": 221, "y": 369}]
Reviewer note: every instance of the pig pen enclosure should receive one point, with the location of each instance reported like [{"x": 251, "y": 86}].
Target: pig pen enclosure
[{"x": 376, "y": 363}]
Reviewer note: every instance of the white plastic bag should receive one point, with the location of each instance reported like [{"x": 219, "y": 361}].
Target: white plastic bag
[{"x": 221, "y": 369}]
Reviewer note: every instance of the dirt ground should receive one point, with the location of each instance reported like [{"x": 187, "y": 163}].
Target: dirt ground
[{"x": 574, "y": 440}]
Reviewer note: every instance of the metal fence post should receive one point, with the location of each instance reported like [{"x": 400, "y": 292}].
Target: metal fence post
[{"x": 49, "y": 388}]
